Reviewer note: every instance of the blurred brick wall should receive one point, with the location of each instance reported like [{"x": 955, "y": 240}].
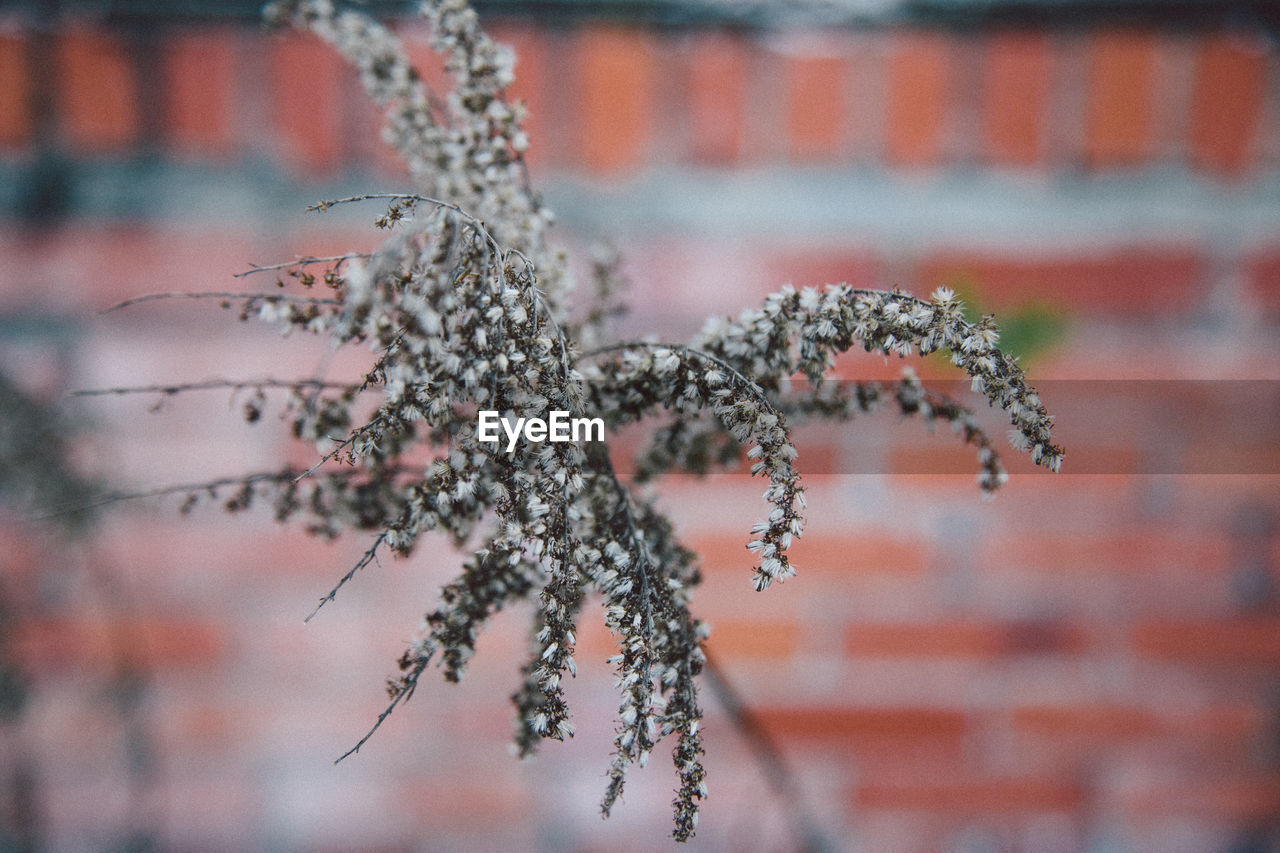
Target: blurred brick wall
[{"x": 1091, "y": 661}]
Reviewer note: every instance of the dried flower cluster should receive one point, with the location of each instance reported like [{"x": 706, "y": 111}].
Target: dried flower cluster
[{"x": 464, "y": 308}]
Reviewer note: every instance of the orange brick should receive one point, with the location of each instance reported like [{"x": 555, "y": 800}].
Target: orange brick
[
  {"x": 1247, "y": 641},
  {"x": 97, "y": 643},
  {"x": 449, "y": 803},
  {"x": 1211, "y": 455},
  {"x": 1136, "y": 551},
  {"x": 618, "y": 73},
  {"x": 200, "y": 91},
  {"x": 1140, "y": 279},
  {"x": 939, "y": 640},
  {"x": 836, "y": 555},
  {"x": 1121, "y": 98},
  {"x": 952, "y": 459},
  {"x": 843, "y": 723},
  {"x": 962, "y": 639},
  {"x": 98, "y": 95},
  {"x": 1108, "y": 722},
  {"x": 1096, "y": 722},
  {"x": 1227, "y": 102},
  {"x": 15, "y": 96},
  {"x": 995, "y": 796},
  {"x": 1016, "y": 98},
  {"x": 753, "y": 640},
  {"x": 1256, "y": 798},
  {"x": 816, "y": 110},
  {"x": 919, "y": 68},
  {"x": 306, "y": 85},
  {"x": 945, "y": 456},
  {"x": 716, "y": 97},
  {"x": 820, "y": 449}
]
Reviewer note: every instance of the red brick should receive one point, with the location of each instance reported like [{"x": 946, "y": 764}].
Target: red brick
[
  {"x": 200, "y": 90},
  {"x": 994, "y": 796},
  {"x": 753, "y": 639},
  {"x": 217, "y": 726},
  {"x": 15, "y": 97},
  {"x": 1263, "y": 271},
  {"x": 951, "y": 459},
  {"x": 837, "y": 555},
  {"x": 919, "y": 92},
  {"x": 943, "y": 455},
  {"x": 1103, "y": 723},
  {"x": 934, "y": 640},
  {"x": 716, "y": 95},
  {"x": 449, "y": 802},
  {"x": 1016, "y": 98},
  {"x": 1095, "y": 722},
  {"x": 98, "y": 94},
  {"x": 845, "y": 723},
  {"x": 962, "y": 639},
  {"x": 1138, "y": 279},
  {"x": 1246, "y": 641},
  {"x": 102, "y": 265},
  {"x": 1227, "y": 102},
  {"x": 1212, "y": 454},
  {"x": 617, "y": 70},
  {"x": 97, "y": 643},
  {"x": 816, "y": 106},
  {"x": 820, "y": 448},
  {"x": 1150, "y": 550},
  {"x": 1122, "y": 78},
  {"x": 306, "y": 84},
  {"x": 1256, "y": 798}
]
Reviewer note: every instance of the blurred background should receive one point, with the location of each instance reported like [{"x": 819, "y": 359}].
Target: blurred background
[{"x": 1089, "y": 662}]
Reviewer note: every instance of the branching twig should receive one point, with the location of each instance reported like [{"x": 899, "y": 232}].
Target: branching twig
[
  {"x": 161, "y": 491},
  {"x": 213, "y": 384},
  {"x": 302, "y": 262},
  {"x": 370, "y": 556},
  {"x": 228, "y": 295},
  {"x": 409, "y": 682}
]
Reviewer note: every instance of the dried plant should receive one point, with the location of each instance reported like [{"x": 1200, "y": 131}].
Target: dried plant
[{"x": 466, "y": 306}]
